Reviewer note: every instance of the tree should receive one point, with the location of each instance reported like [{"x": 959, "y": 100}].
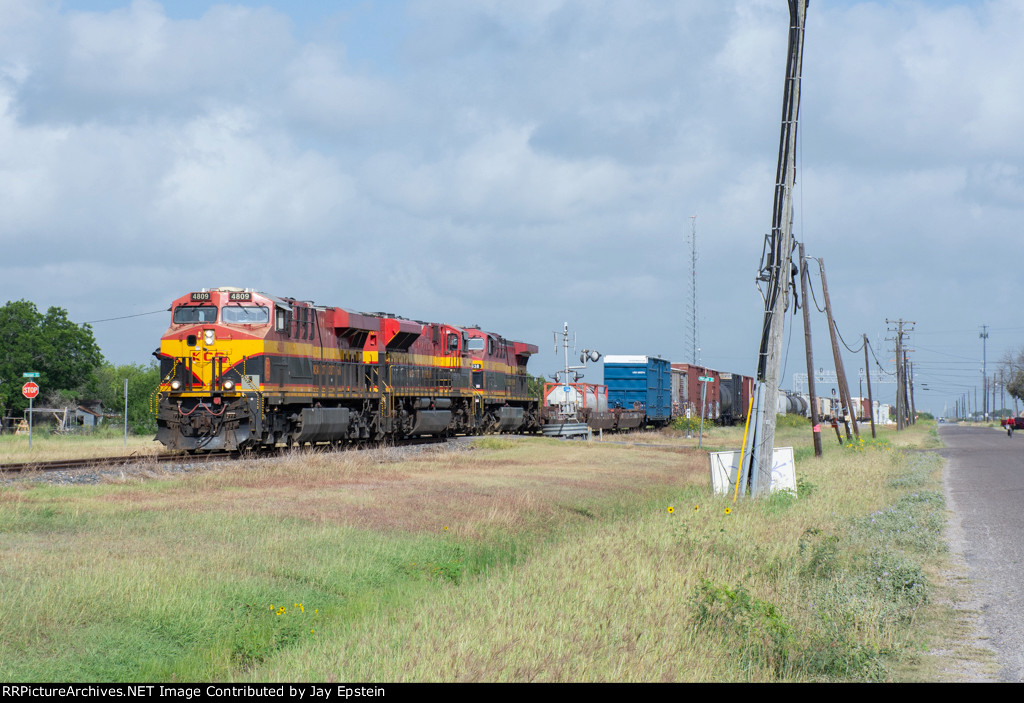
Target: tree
[
  {"x": 1011, "y": 372},
  {"x": 1016, "y": 385},
  {"x": 64, "y": 354},
  {"x": 535, "y": 386},
  {"x": 143, "y": 381}
]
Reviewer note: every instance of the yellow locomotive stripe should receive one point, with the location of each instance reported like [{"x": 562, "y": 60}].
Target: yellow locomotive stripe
[{"x": 233, "y": 351}]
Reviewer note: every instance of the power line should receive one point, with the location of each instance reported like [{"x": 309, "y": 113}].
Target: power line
[
  {"x": 855, "y": 351},
  {"x": 124, "y": 317}
]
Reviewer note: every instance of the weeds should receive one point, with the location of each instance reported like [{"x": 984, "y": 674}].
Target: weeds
[
  {"x": 756, "y": 628},
  {"x": 259, "y": 631}
]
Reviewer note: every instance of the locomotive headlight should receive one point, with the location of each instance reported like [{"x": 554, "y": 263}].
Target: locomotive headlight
[
  {"x": 229, "y": 385},
  {"x": 208, "y": 337},
  {"x": 175, "y": 385}
]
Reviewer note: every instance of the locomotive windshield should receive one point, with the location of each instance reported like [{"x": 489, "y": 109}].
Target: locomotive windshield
[
  {"x": 245, "y": 314},
  {"x": 184, "y": 315}
]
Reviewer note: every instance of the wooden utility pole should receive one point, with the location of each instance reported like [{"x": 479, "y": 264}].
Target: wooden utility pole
[
  {"x": 984, "y": 372},
  {"x": 900, "y": 387},
  {"x": 910, "y": 385},
  {"x": 844, "y": 390},
  {"x": 815, "y": 420},
  {"x": 871, "y": 401},
  {"x": 776, "y": 270},
  {"x": 901, "y": 373}
]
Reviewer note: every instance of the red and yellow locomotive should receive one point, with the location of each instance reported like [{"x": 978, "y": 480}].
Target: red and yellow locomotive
[{"x": 244, "y": 369}]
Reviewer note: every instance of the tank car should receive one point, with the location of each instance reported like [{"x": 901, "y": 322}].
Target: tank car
[
  {"x": 735, "y": 391},
  {"x": 242, "y": 369}
]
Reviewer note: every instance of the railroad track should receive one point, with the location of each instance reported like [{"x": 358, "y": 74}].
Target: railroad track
[
  {"x": 96, "y": 463},
  {"x": 100, "y": 463}
]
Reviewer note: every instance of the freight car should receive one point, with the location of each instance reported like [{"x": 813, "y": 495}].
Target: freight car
[
  {"x": 690, "y": 395},
  {"x": 735, "y": 392},
  {"x": 725, "y": 398},
  {"x": 566, "y": 404},
  {"x": 640, "y": 383},
  {"x": 241, "y": 368}
]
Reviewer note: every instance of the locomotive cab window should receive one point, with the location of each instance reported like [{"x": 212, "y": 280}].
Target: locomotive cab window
[
  {"x": 475, "y": 344},
  {"x": 184, "y": 315},
  {"x": 245, "y": 315},
  {"x": 453, "y": 342}
]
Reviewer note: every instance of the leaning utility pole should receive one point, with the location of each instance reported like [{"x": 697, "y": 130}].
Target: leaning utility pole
[
  {"x": 844, "y": 389},
  {"x": 776, "y": 271},
  {"x": 815, "y": 420},
  {"x": 871, "y": 400}
]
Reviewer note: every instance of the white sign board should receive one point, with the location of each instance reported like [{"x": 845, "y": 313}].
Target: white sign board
[{"x": 725, "y": 464}]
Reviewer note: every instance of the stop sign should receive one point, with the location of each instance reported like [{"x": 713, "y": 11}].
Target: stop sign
[{"x": 30, "y": 390}]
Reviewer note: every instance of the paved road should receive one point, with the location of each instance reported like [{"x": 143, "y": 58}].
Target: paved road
[{"x": 985, "y": 489}]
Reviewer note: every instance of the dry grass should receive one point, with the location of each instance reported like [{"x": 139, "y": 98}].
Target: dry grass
[
  {"x": 14, "y": 449},
  {"x": 470, "y": 493}
]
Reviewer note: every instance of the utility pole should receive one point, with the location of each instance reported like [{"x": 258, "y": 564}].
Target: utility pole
[
  {"x": 901, "y": 371},
  {"x": 910, "y": 383},
  {"x": 984, "y": 373},
  {"x": 871, "y": 402},
  {"x": 844, "y": 390},
  {"x": 815, "y": 420},
  {"x": 776, "y": 270},
  {"x": 901, "y": 388}
]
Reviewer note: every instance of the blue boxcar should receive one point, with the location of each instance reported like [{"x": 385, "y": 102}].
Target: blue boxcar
[{"x": 640, "y": 382}]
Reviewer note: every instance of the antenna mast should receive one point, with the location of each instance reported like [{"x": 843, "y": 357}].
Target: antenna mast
[{"x": 693, "y": 289}]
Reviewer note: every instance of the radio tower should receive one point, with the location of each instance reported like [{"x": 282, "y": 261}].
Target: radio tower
[{"x": 695, "y": 344}]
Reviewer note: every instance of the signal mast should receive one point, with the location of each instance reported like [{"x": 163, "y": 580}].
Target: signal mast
[{"x": 568, "y": 398}]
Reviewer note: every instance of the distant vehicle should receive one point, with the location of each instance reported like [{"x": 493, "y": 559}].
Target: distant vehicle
[{"x": 1013, "y": 423}]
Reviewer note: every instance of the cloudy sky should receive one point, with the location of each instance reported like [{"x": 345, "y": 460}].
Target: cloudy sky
[{"x": 521, "y": 164}]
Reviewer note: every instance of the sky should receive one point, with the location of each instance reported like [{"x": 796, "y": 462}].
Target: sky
[{"x": 519, "y": 165}]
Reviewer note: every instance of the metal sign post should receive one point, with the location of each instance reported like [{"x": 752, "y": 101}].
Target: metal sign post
[
  {"x": 703, "y": 403},
  {"x": 30, "y": 390},
  {"x": 126, "y": 413}
]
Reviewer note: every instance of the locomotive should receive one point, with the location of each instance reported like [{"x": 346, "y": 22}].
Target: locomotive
[{"x": 243, "y": 369}]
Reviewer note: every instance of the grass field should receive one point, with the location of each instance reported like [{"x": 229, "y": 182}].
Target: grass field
[
  {"x": 519, "y": 560},
  {"x": 14, "y": 449}
]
